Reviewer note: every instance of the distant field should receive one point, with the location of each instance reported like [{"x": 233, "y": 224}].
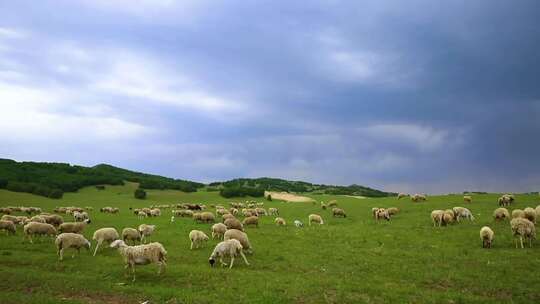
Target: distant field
[{"x": 351, "y": 260}]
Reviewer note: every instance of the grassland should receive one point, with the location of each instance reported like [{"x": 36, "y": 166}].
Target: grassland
[{"x": 351, "y": 260}]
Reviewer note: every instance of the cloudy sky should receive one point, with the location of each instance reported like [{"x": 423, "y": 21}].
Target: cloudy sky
[{"x": 409, "y": 96}]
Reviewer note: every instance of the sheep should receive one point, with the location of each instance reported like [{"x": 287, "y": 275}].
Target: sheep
[
  {"x": 461, "y": 212},
  {"x": 54, "y": 219},
  {"x": 418, "y": 197},
  {"x": 437, "y": 217},
  {"x": 323, "y": 206},
  {"x": 374, "y": 212},
  {"x": 197, "y": 238},
  {"x": 38, "y": 219},
  {"x": 80, "y": 216},
  {"x": 501, "y": 214},
  {"x": 18, "y": 220},
  {"x": 141, "y": 255},
  {"x": 315, "y": 218},
  {"x": 218, "y": 230},
  {"x": 70, "y": 240},
  {"x": 518, "y": 213},
  {"x": 222, "y": 211},
  {"x": 8, "y": 226},
  {"x": 530, "y": 214},
  {"x": 251, "y": 220},
  {"x": 505, "y": 200},
  {"x": 523, "y": 228},
  {"x": 227, "y": 216},
  {"x": 230, "y": 248},
  {"x": 233, "y": 211},
  {"x": 468, "y": 199},
  {"x": 332, "y": 203},
  {"x": 382, "y": 213},
  {"x": 392, "y": 211},
  {"x": 146, "y": 231},
  {"x": 486, "y": 235},
  {"x": 104, "y": 235},
  {"x": 204, "y": 217},
  {"x": 141, "y": 214},
  {"x": 261, "y": 211},
  {"x": 273, "y": 211},
  {"x": 34, "y": 228},
  {"x": 448, "y": 217},
  {"x": 155, "y": 212},
  {"x": 74, "y": 227},
  {"x": 233, "y": 223},
  {"x": 402, "y": 195},
  {"x": 131, "y": 234},
  {"x": 280, "y": 221},
  {"x": 298, "y": 224},
  {"x": 183, "y": 213},
  {"x": 537, "y": 210},
  {"x": 241, "y": 237},
  {"x": 338, "y": 212}
]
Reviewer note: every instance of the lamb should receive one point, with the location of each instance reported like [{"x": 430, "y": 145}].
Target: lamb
[
  {"x": 392, "y": 211},
  {"x": 141, "y": 255},
  {"x": 70, "y": 240},
  {"x": 468, "y": 199},
  {"x": 273, "y": 211},
  {"x": 338, "y": 212},
  {"x": 501, "y": 214},
  {"x": 402, "y": 195},
  {"x": 461, "y": 212},
  {"x": 104, "y": 235},
  {"x": 280, "y": 221},
  {"x": 241, "y": 237},
  {"x": 74, "y": 227},
  {"x": 523, "y": 228},
  {"x": 197, "y": 238},
  {"x": 233, "y": 223},
  {"x": 518, "y": 213},
  {"x": 146, "y": 231},
  {"x": 530, "y": 214},
  {"x": 486, "y": 235},
  {"x": 131, "y": 234},
  {"x": 382, "y": 213},
  {"x": 298, "y": 224},
  {"x": 437, "y": 217},
  {"x": 34, "y": 228},
  {"x": 230, "y": 248},
  {"x": 252, "y": 220},
  {"x": 8, "y": 226},
  {"x": 315, "y": 218},
  {"x": 218, "y": 230}
]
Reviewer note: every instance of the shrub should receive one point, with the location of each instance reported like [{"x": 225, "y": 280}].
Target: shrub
[
  {"x": 56, "y": 193},
  {"x": 140, "y": 193}
]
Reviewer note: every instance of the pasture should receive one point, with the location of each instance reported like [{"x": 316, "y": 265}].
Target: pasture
[{"x": 346, "y": 260}]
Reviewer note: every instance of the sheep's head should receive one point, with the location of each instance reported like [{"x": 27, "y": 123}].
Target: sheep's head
[
  {"x": 88, "y": 245},
  {"x": 212, "y": 261},
  {"x": 88, "y": 221},
  {"x": 117, "y": 244}
]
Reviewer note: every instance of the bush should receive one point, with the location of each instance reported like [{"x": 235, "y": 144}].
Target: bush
[
  {"x": 3, "y": 183},
  {"x": 56, "y": 193},
  {"x": 100, "y": 187},
  {"x": 269, "y": 198},
  {"x": 229, "y": 192},
  {"x": 140, "y": 193}
]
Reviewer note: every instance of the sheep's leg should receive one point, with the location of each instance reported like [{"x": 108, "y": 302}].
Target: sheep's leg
[
  {"x": 97, "y": 246},
  {"x": 521, "y": 240},
  {"x": 133, "y": 272},
  {"x": 232, "y": 262},
  {"x": 244, "y": 257},
  {"x": 61, "y": 253},
  {"x": 221, "y": 261},
  {"x": 191, "y": 245}
]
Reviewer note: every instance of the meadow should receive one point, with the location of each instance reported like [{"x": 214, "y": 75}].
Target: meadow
[{"x": 346, "y": 260}]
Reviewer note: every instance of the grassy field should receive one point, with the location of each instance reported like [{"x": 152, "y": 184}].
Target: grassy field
[{"x": 351, "y": 260}]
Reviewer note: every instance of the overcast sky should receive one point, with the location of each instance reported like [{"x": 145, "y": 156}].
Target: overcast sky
[{"x": 411, "y": 96}]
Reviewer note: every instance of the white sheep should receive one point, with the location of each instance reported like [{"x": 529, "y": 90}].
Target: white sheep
[
  {"x": 74, "y": 227},
  {"x": 315, "y": 218},
  {"x": 8, "y": 226},
  {"x": 523, "y": 228},
  {"x": 218, "y": 230},
  {"x": 501, "y": 214},
  {"x": 34, "y": 228},
  {"x": 467, "y": 199},
  {"x": 461, "y": 212},
  {"x": 241, "y": 237},
  {"x": 280, "y": 221},
  {"x": 530, "y": 214},
  {"x": 382, "y": 213},
  {"x": 298, "y": 224},
  {"x": 141, "y": 255},
  {"x": 146, "y": 230},
  {"x": 486, "y": 235},
  {"x": 230, "y": 248},
  {"x": 104, "y": 235},
  {"x": 70, "y": 240},
  {"x": 273, "y": 211},
  {"x": 437, "y": 217},
  {"x": 131, "y": 234},
  {"x": 197, "y": 238}
]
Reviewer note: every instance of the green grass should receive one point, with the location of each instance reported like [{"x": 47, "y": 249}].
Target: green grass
[{"x": 351, "y": 260}]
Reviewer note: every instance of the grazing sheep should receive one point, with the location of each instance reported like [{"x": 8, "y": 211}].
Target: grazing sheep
[
  {"x": 233, "y": 223},
  {"x": 34, "y": 228},
  {"x": 332, "y": 203},
  {"x": 205, "y": 217},
  {"x": 392, "y": 211},
  {"x": 518, "y": 213},
  {"x": 155, "y": 212},
  {"x": 461, "y": 212},
  {"x": 230, "y": 248},
  {"x": 530, "y": 214},
  {"x": 104, "y": 235},
  {"x": 468, "y": 199},
  {"x": 280, "y": 221},
  {"x": 448, "y": 217},
  {"x": 501, "y": 214},
  {"x": 437, "y": 217},
  {"x": 222, "y": 211},
  {"x": 70, "y": 240},
  {"x": 73, "y": 227},
  {"x": 537, "y": 210},
  {"x": 8, "y": 226},
  {"x": 374, "y": 212},
  {"x": 338, "y": 212},
  {"x": 273, "y": 211},
  {"x": 315, "y": 218},
  {"x": 38, "y": 219},
  {"x": 146, "y": 230},
  {"x": 54, "y": 219},
  {"x": 402, "y": 195},
  {"x": 141, "y": 214},
  {"x": 323, "y": 206},
  {"x": 183, "y": 213},
  {"x": 18, "y": 220},
  {"x": 131, "y": 234},
  {"x": 418, "y": 197},
  {"x": 141, "y": 255},
  {"x": 298, "y": 224},
  {"x": 251, "y": 220},
  {"x": 523, "y": 228},
  {"x": 227, "y": 216},
  {"x": 486, "y": 235},
  {"x": 80, "y": 216},
  {"x": 261, "y": 211},
  {"x": 218, "y": 230},
  {"x": 506, "y": 200},
  {"x": 382, "y": 213},
  {"x": 197, "y": 238},
  {"x": 241, "y": 237}
]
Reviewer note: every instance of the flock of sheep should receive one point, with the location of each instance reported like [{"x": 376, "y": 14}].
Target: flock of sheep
[{"x": 229, "y": 230}]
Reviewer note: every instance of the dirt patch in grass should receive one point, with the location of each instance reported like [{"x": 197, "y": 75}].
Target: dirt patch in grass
[{"x": 289, "y": 197}]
